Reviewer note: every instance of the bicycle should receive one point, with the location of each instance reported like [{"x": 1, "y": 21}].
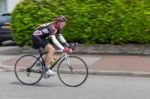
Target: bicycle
[{"x": 72, "y": 70}]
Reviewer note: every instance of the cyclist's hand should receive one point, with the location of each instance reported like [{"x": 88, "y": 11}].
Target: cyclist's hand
[{"x": 67, "y": 50}]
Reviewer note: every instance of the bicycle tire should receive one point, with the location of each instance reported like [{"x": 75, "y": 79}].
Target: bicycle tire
[
  {"x": 72, "y": 78},
  {"x": 23, "y": 74}
]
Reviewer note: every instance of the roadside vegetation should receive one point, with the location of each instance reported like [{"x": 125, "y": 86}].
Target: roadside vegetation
[{"x": 89, "y": 21}]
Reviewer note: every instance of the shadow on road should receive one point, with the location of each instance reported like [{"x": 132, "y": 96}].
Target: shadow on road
[{"x": 41, "y": 84}]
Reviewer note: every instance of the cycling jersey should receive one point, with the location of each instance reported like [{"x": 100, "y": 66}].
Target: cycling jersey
[{"x": 46, "y": 30}]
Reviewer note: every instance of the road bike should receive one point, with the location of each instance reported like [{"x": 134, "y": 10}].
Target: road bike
[{"x": 72, "y": 70}]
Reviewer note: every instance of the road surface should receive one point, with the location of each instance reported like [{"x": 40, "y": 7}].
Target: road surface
[{"x": 96, "y": 87}]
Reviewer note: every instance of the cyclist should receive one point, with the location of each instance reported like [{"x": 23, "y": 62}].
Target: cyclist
[{"x": 51, "y": 29}]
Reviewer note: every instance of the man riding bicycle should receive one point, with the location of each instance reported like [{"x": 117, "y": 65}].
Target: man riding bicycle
[{"x": 52, "y": 29}]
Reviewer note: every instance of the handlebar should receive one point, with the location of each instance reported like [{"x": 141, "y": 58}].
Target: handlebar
[{"x": 72, "y": 46}]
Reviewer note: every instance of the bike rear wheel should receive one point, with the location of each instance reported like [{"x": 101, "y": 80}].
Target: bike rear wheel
[
  {"x": 27, "y": 71},
  {"x": 72, "y": 71}
]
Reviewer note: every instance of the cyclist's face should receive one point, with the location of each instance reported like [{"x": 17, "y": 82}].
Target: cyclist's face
[{"x": 62, "y": 24}]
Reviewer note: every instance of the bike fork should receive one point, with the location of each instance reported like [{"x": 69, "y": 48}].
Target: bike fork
[{"x": 70, "y": 67}]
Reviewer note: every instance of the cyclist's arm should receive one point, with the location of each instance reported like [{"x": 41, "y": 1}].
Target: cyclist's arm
[
  {"x": 62, "y": 40},
  {"x": 55, "y": 41}
]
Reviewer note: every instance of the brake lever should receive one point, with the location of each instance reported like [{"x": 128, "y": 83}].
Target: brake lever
[{"x": 75, "y": 46}]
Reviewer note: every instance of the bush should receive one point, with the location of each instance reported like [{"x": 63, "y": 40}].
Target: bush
[{"x": 89, "y": 21}]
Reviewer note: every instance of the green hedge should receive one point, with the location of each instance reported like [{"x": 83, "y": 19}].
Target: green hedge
[{"x": 89, "y": 21}]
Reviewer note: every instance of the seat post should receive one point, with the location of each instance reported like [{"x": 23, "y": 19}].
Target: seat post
[
  {"x": 42, "y": 60},
  {"x": 40, "y": 51}
]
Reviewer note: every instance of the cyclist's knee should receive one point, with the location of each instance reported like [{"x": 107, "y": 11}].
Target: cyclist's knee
[{"x": 50, "y": 49}]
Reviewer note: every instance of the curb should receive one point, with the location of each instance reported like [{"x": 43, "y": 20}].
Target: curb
[
  {"x": 130, "y": 49},
  {"x": 121, "y": 73},
  {"x": 94, "y": 72},
  {"x": 7, "y": 68}
]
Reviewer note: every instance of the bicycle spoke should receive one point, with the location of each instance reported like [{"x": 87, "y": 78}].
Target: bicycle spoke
[
  {"x": 26, "y": 70},
  {"x": 72, "y": 71}
]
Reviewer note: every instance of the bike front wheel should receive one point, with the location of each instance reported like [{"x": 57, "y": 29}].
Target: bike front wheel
[
  {"x": 27, "y": 69},
  {"x": 72, "y": 71}
]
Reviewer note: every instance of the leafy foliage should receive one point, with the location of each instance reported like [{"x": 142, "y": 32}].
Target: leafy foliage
[{"x": 89, "y": 21}]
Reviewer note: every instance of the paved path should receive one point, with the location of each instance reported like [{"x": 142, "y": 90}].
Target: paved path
[{"x": 98, "y": 64}]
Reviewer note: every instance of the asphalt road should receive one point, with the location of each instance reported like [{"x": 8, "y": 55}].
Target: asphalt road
[{"x": 96, "y": 87}]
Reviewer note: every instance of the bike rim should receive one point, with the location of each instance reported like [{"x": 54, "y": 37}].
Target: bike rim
[
  {"x": 22, "y": 72},
  {"x": 79, "y": 74}
]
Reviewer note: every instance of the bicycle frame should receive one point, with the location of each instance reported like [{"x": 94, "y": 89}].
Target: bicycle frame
[
  {"x": 61, "y": 57},
  {"x": 65, "y": 55},
  {"x": 43, "y": 61}
]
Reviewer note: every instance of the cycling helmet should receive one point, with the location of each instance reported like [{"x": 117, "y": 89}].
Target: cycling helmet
[{"x": 60, "y": 18}]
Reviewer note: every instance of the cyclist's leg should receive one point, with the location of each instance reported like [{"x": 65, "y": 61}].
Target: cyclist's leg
[
  {"x": 42, "y": 42},
  {"x": 48, "y": 58}
]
